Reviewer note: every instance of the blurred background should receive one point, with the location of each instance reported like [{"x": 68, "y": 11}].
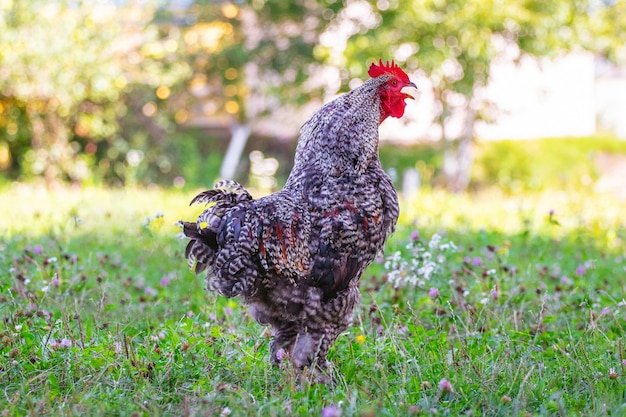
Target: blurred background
[{"x": 517, "y": 95}]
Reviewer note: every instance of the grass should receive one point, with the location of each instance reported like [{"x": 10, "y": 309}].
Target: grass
[{"x": 526, "y": 317}]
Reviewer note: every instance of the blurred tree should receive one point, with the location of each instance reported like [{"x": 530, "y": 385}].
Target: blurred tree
[
  {"x": 453, "y": 43},
  {"x": 254, "y": 58},
  {"x": 70, "y": 72},
  {"x": 88, "y": 84}
]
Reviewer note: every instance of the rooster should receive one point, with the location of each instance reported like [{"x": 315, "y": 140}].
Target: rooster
[{"x": 295, "y": 257}]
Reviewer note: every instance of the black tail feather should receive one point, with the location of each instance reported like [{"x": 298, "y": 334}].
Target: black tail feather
[{"x": 203, "y": 246}]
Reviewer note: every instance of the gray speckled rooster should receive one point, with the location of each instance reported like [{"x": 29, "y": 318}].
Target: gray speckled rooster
[{"x": 295, "y": 257}]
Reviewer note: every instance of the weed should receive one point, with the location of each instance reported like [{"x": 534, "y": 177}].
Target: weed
[{"x": 522, "y": 315}]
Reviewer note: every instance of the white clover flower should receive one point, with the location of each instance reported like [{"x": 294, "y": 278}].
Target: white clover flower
[
  {"x": 420, "y": 264},
  {"x": 447, "y": 246},
  {"x": 434, "y": 241}
]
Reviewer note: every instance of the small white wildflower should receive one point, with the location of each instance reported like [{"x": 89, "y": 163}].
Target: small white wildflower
[
  {"x": 491, "y": 271},
  {"x": 434, "y": 241},
  {"x": 225, "y": 412},
  {"x": 427, "y": 270},
  {"x": 52, "y": 259},
  {"x": 394, "y": 278},
  {"x": 412, "y": 279},
  {"x": 420, "y": 264},
  {"x": 447, "y": 246}
]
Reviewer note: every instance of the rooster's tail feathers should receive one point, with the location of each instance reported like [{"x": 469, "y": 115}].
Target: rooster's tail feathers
[
  {"x": 203, "y": 246},
  {"x": 200, "y": 251},
  {"x": 223, "y": 190}
]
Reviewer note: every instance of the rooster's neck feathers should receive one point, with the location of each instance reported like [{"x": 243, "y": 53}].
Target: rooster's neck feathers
[{"x": 341, "y": 138}]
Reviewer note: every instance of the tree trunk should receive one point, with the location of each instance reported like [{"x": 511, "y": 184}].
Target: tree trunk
[
  {"x": 458, "y": 156},
  {"x": 239, "y": 136}
]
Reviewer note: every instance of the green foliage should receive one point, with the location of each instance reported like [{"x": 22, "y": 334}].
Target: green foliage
[
  {"x": 427, "y": 159},
  {"x": 202, "y": 159},
  {"x": 513, "y": 165},
  {"x": 542, "y": 164},
  {"x": 254, "y": 56},
  {"x": 527, "y": 317},
  {"x": 73, "y": 77}
]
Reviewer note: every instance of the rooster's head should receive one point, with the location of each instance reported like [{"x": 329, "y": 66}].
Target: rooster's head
[{"x": 391, "y": 96}]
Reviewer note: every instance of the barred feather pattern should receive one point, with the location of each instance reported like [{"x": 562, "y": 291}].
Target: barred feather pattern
[{"x": 295, "y": 257}]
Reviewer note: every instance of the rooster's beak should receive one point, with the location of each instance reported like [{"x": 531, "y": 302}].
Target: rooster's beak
[{"x": 408, "y": 95}]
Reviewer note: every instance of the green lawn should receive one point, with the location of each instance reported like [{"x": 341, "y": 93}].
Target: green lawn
[{"x": 525, "y": 317}]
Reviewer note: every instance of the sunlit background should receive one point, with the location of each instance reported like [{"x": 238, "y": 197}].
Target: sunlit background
[
  {"x": 501, "y": 292},
  {"x": 180, "y": 93}
]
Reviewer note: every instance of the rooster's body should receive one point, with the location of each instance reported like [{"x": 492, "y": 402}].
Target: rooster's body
[{"x": 296, "y": 256}]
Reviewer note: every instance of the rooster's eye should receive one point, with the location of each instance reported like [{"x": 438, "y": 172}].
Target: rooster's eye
[{"x": 394, "y": 83}]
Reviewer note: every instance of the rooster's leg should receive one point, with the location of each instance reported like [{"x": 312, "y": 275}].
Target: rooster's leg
[
  {"x": 284, "y": 338},
  {"x": 311, "y": 349}
]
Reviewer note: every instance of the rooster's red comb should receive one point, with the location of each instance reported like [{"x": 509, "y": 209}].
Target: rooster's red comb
[{"x": 381, "y": 69}]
